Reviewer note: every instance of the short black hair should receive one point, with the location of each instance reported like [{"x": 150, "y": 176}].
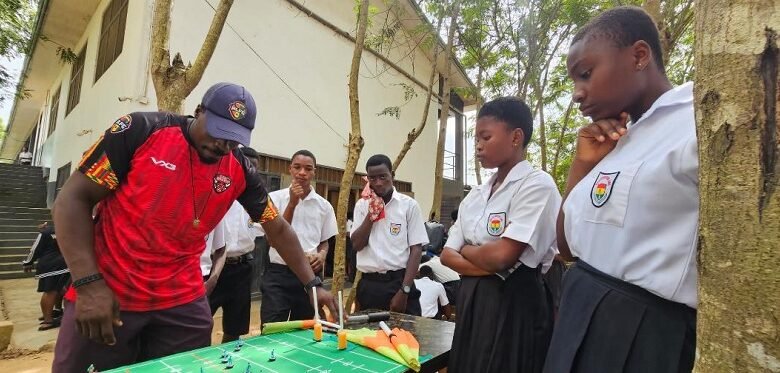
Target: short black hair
[
  {"x": 305, "y": 153},
  {"x": 426, "y": 271},
  {"x": 454, "y": 215},
  {"x": 378, "y": 160},
  {"x": 625, "y": 25},
  {"x": 249, "y": 152},
  {"x": 512, "y": 111},
  {"x": 424, "y": 259}
]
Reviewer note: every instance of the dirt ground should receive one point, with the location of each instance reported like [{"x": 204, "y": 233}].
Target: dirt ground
[{"x": 31, "y": 351}]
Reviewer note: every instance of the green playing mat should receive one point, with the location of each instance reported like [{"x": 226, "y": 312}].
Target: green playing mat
[{"x": 295, "y": 352}]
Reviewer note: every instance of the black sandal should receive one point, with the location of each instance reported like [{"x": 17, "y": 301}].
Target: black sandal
[{"x": 49, "y": 325}]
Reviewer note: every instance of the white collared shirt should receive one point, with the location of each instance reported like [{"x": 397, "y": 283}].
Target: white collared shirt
[
  {"x": 240, "y": 231},
  {"x": 214, "y": 241},
  {"x": 443, "y": 273},
  {"x": 432, "y": 295},
  {"x": 524, "y": 208},
  {"x": 635, "y": 215},
  {"x": 390, "y": 238},
  {"x": 314, "y": 221}
]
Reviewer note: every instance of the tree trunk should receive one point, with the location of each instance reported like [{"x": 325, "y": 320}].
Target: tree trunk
[
  {"x": 480, "y": 101},
  {"x": 445, "y": 111},
  {"x": 559, "y": 143},
  {"x": 353, "y": 151},
  {"x": 173, "y": 81},
  {"x": 736, "y": 95},
  {"x": 412, "y": 136},
  {"x": 542, "y": 130}
]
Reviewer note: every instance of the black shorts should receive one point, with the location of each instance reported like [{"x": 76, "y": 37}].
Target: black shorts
[
  {"x": 233, "y": 294},
  {"x": 283, "y": 296}
]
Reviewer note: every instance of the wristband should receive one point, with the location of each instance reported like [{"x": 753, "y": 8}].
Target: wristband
[
  {"x": 314, "y": 282},
  {"x": 86, "y": 280}
]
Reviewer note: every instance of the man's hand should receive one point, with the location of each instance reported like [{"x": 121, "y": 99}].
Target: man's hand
[
  {"x": 297, "y": 192},
  {"x": 376, "y": 207},
  {"x": 317, "y": 261},
  {"x": 398, "y": 303},
  {"x": 97, "y": 313},
  {"x": 210, "y": 284},
  {"x": 597, "y": 139},
  {"x": 27, "y": 268},
  {"x": 325, "y": 298}
]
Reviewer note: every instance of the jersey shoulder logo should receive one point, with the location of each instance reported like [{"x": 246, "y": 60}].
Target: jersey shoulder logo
[
  {"x": 121, "y": 124},
  {"x": 602, "y": 188}
]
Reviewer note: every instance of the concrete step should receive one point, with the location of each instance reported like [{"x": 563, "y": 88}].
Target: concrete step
[
  {"x": 16, "y": 250},
  {"x": 9, "y": 266},
  {"x": 21, "y": 222},
  {"x": 7, "y": 275},
  {"x": 18, "y": 235},
  {"x": 25, "y": 213},
  {"x": 16, "y": 181},
  {"x": 12, "y": 258},
  {"x": 18, "y": 228},
  {"x": 23, "y": 203},
  {"x": 15, "y": 243}
]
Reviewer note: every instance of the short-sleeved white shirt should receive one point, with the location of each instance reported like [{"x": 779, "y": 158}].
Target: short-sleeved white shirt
[
  {"x": 524, "y": 208},
  {"x": 240, "y": 231},
  {"x": 313, "y": 221},
  {"x": 432, "y": 294},
  {"x": 635, "y": 215},
  {"x": 443, "y": 273},
  {"x": 391, "y": 237},
  {"x": 214, "y": 241}
]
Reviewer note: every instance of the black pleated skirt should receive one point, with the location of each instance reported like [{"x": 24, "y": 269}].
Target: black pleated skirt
[
  {"x": 502, "y": 325},
  {"x": 606, "y": 325}
]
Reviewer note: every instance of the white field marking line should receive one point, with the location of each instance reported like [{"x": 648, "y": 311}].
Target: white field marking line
[
  {"x": 281, "y": 356},
  {"x": 358, "y": 352},
  {"x": 174, "y": 370},
  {"x": 253, "y": 363},
  {"x": 307, "y": 351}
]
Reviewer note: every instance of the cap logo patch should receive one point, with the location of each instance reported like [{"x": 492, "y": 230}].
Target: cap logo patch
[{"x": 237, "y": 110}]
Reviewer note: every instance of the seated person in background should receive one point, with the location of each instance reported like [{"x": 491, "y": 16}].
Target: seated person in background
[
  {"x": 445, "y": 275},
  {"x": 432, "y": 295}
]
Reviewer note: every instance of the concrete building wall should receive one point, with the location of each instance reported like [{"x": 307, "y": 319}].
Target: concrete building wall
[{"x": 296, "y": 68}]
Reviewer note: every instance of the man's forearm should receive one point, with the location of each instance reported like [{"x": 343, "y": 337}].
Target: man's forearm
[
  {"x": 75, "y": 235},
  {"x": 289, "y": 211},
  {"x": 360, "y": 237},
  {"x": 458, "y": 263},
  {"x": 323, "y": 247},
  {"x": 412, "y": 264},
  {"x": 218, "y": 262}
]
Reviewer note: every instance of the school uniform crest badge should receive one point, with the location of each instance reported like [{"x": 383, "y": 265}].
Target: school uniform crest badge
[
  {"x": 121, "y": 124},
  {"x": 496, "y": 222},
  {"x": 221, "y": 183},
  {"x": 602, "y": 188},
  {"x": 395, "y": 229}
]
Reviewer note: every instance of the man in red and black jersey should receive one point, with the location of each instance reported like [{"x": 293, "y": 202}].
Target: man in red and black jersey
[{"x": 163, "y": 181}]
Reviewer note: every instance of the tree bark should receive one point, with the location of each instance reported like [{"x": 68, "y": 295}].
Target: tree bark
[
  {"x": 542, "y": 129},
  {"x": 353, "y": 152},
  {"x": 480, "y": 101},
  {"x": 173, "y": 81},
  {"x": 443, "y": 116},
  {"x": 412, "y": 136},
  {"x": 736, "y": 95},
  {"x": 560, "y": 142}
]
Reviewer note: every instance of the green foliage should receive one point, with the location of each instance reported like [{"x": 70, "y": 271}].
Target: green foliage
[
  {"x": 17, "y": 19},
  {"x": 391, "y": 111},
  {"x": 395, "y": 111}
]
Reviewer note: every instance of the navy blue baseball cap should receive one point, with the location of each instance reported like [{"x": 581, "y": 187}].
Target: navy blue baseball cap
[{"x": 230, "y": 112}]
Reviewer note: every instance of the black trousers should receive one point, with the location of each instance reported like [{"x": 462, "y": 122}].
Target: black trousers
[
  {"x": 376, "y": 290},
  {"x": 607, "y": 325},
  {"x": 233, "y": 293},
  {"x": 284, "y": 297}
]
